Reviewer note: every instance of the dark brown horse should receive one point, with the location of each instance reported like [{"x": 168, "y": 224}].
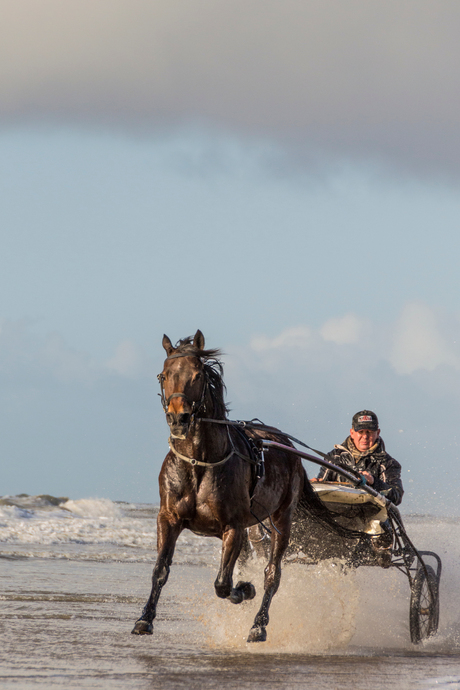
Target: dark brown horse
[{"x": 209, "y": 484}]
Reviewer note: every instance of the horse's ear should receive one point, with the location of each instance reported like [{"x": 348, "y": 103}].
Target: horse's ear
[
  {"x": 198, "y": 340},
  {"x": 167, "y": 345}
]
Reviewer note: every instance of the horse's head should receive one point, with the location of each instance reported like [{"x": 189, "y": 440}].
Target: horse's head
[{"x": 187, "y": 384}]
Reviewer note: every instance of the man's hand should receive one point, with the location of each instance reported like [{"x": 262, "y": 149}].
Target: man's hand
[{"x": 368, "y": 477}]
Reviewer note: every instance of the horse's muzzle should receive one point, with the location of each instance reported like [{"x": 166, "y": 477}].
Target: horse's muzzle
[{"x": 179, "y": 423}]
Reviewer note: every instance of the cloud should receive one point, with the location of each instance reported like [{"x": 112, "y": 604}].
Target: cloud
[
  {"x": 407, "y": 371},
  {"x": 419, "y": 342},
  {"x": 353, "y": 79},
  {"x": 129, "y": 360},
  {"x": 65, "y": 363},
  {"x": 291, "y": 338},
  {"x": 421, "y": 339},
  {"x": 30, "y": 357},
  {"x": 27, "y": 357},
  {"x": 305, "y": 373},
  {"x": 346, "y": 330}
]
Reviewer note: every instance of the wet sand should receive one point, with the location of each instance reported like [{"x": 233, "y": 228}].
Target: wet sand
[
  {"x": 66, "y": 624},
  {"x": 74, "y": 578}
]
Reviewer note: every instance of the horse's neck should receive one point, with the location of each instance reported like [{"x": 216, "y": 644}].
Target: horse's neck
[{"x": 205, "y": 438}]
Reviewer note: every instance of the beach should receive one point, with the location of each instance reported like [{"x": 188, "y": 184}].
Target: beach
[{"x": 76, "y": 574}]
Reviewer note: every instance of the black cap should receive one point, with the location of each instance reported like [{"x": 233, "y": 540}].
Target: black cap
[{"x": 365, "y": 420}]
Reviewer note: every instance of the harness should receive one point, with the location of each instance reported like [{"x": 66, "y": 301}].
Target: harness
[
  {"x": 254, "y": 456},
  {"x": 233, "y": 451}
]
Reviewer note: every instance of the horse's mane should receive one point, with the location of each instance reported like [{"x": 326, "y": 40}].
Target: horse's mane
[{"x": 215, "y": 406}]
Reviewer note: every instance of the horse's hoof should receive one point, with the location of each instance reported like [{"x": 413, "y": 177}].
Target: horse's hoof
[
  {"x": 248, "y": 589},
  {"x": 242, "y": 592},
  {"x": 236, "y": 596},
  {"x": 257, "y": 634},
  {"x": 142, "y": 628}
]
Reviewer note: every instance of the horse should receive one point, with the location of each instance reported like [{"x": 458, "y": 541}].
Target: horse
[{"x": 214, "y": 483}]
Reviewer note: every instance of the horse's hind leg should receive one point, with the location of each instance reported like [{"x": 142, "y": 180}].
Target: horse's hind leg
[
  {"x": 167, "y": 537},
  {"x": 259, "y": 540},
  {"x": 232, "y": 541},
  {"x": 280, "y": 541}
]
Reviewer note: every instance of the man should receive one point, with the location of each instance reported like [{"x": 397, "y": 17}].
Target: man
[{"x": 364, "y": 451}]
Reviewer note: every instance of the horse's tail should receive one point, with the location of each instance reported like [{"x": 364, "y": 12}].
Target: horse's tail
[{"x": 311, "y": 506}]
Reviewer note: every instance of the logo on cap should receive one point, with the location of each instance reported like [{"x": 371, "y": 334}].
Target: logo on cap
[{"x": 364, "y": 418}]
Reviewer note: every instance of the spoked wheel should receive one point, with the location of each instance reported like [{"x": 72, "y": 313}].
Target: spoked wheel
[{"x": 424, "y": 605}]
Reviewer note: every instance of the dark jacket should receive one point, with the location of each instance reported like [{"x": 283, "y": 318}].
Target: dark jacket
[{"x": 385, "y": 469}]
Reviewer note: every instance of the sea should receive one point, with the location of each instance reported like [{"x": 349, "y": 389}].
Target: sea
[{"x": 75, "y": 575}]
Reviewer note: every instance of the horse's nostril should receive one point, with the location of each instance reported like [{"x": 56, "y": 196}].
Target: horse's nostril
[{"x": 181, "y": 419}]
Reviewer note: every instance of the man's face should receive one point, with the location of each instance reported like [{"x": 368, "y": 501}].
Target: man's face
[{"x": 364, "y": 438}]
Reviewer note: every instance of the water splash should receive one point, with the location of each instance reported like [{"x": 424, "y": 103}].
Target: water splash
[{"x": 314, "y": 610}]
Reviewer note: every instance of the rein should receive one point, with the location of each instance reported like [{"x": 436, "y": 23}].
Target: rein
[{"x": 257, "y": 424}]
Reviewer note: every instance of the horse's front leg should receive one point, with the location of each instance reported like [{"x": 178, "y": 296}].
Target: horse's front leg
[
  {"x": 232, "y": 542},
  {"x": 168, "y": 533},
  {"x": 280, "y": 541}
]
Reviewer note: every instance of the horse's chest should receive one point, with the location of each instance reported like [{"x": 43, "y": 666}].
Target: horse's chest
[{"x": 209, "y": 512}]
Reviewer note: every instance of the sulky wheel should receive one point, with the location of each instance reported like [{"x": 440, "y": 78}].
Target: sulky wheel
[{"x": 424, "y": 605}]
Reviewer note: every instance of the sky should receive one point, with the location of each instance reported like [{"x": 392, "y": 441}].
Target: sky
[{"x": 282, "y": 176}]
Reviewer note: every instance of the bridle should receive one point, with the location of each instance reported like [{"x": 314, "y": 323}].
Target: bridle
[{"x": 196, "y": 405}]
